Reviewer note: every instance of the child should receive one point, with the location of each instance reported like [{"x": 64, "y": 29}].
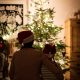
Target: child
[{"x": 50, "y": 50}]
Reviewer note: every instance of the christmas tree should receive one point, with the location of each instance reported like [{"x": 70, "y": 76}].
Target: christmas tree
[{"x": 41, "y": 22}]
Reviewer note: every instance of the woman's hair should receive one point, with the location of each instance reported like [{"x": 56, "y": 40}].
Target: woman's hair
[
  {"x": 27, "y": 45},
  {"x": 49, "y": 49}
]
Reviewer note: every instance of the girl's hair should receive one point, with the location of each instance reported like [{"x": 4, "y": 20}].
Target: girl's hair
[{"x": 53, "y": 50}]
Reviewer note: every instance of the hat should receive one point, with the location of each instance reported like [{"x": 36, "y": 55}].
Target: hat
[
  {"x": 49, "y": 48},
  {"x": 25, "y": 37}
]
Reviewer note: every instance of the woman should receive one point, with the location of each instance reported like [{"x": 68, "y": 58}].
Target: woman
[{"x": 26, "y": 63}]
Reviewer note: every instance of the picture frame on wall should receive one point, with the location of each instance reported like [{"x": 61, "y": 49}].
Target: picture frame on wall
[{"x": 11, "y": 17}]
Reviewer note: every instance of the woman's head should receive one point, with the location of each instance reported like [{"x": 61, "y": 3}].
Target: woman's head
[{"x": 26, "y": 37}]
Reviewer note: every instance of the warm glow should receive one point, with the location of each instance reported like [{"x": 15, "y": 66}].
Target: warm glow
[
  {"x": 6, "y": 37},
  {"x": 64, "y": 9}
]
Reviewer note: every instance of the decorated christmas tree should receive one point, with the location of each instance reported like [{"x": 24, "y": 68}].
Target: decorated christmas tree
[{"x": 41, "y": 22}]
